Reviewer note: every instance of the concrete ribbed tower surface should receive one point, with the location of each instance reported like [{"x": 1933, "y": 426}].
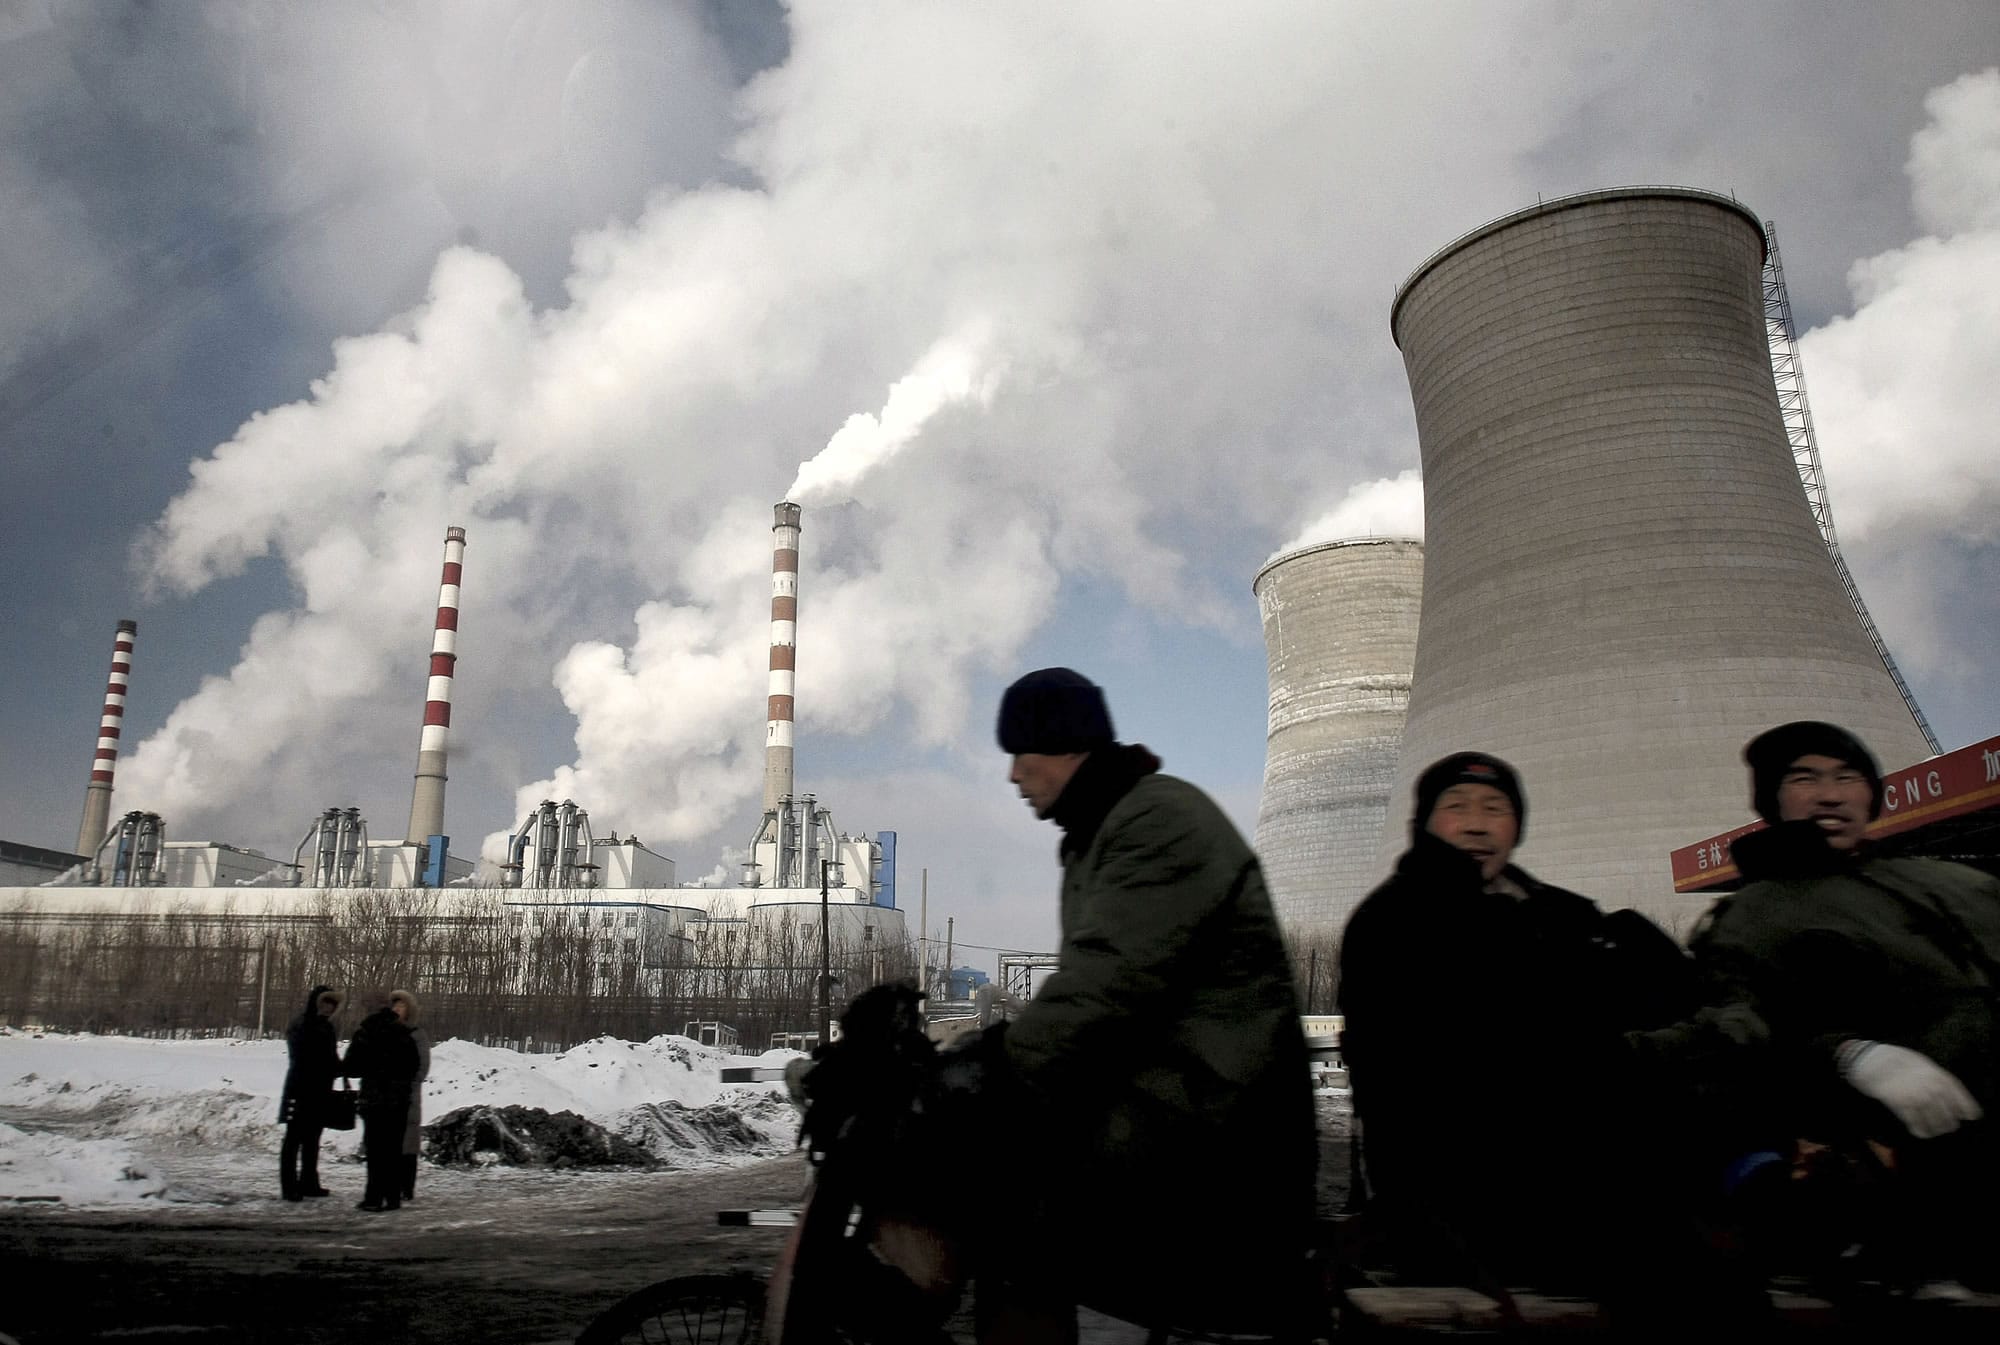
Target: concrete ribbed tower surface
[
  {"x": 1623, "y": 581},
  {"x": 1340, "y": 634}
]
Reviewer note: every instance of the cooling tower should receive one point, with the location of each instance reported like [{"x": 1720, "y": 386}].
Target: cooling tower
[
  {"x": 1340, "y": 631},
  {"x": 1623, "y": 581}
]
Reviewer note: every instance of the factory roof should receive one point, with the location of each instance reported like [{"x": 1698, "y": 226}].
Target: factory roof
[{"x": 17, "y": 853}]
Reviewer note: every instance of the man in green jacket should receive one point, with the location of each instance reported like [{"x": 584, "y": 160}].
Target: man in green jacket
[
  {"x": 1163, "y": 1066},
  {"x": 1878, "y": 982}
]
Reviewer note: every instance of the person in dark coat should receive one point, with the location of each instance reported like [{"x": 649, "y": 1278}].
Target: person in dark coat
[
  {"x": 313, "y": 1051},
  {"x": 1484, "y": 1036},
  {"x": 384, "y": 1057},
  {"x": 1877, "y": 983},
  {"x": 1165, "y": 1092}
]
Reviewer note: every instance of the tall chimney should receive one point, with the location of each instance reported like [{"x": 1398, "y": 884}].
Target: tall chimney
[
  {"x": 784, "y": 651},
  {"x": 427, "y": 802},
  {"x": 97, "y": 794}
]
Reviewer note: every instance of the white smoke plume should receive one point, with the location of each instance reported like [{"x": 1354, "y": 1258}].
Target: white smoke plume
[
  {"x": 1390, "y": 507},
  {"x": 1901, "y": 398},
  {"x": 1118, "y": 324},
  {"x": 1902, "y": 389},
  {"x": 949, "y": 372}
]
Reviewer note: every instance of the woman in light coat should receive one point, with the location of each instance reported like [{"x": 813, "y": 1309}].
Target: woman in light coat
[{"x": 413, "y": 1130}]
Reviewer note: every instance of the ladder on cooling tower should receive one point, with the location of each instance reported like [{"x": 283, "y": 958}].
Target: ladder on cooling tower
[{"x": 1791, "y": 379}]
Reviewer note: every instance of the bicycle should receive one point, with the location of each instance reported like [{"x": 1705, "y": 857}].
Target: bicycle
[{"x": 864, "y": 1262}]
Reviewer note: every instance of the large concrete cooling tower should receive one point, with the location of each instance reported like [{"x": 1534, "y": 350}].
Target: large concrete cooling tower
[
  {"x": 1340, "y": 630},
  {"x": 1623, "y": 581}
]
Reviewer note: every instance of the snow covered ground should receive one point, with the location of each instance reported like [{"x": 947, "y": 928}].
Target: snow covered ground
[{"x": 95, "y": 1121}]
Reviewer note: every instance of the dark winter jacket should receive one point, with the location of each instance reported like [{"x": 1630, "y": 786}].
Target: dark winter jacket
[
  {"x": 383, "y": 1055},
  {"x": 313, "y": 1051},
  {"x": 1485, "y": 1035},
  {"x": 1167, "y": 1045},
  {"x": 1822, "y": 946}
]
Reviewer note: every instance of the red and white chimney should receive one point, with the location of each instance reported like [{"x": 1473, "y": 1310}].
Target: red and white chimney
[
  {"x": 427, "y": 802},
  {"x": 97, "y": 794},
  {"x": 784, "y": 653}
]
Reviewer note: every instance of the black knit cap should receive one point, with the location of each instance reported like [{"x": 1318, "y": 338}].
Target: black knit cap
[
  {"x": 1052, "y": 711},
  {"x": 1468, "y": 768},
  {"x": 1771, "y": 753}
]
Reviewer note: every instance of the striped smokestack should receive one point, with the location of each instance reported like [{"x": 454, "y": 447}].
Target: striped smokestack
[
  {"x": 97, "y": 794},
  {"x": 427, "y": 802},
  {"x": 784, "y": 651}
]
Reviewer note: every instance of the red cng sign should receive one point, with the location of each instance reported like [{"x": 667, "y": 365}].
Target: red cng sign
[{"x": 1952, "y": 785}]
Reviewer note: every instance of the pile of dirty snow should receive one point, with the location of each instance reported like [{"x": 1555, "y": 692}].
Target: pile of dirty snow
[{"x": 97, "y": 1120}]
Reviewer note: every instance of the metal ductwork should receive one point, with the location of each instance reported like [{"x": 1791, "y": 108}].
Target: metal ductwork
[
  {"x": 557, "y": 835},
  {"x": 338, "y": 842}
]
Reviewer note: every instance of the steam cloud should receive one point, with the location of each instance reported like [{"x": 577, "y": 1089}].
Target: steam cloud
[
  {"x": 1901, "y": 390},
  {"x": 949, "y": 372},
  {"x": 1391, "y": 507},
  {"x": 1155, "y": 311}
]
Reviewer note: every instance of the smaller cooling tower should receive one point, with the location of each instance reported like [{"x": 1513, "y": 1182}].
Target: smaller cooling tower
[{"x": 1340, "y": 631}]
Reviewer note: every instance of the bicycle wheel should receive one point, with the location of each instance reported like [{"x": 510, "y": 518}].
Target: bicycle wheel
[{"x": 687, "y": 1310}]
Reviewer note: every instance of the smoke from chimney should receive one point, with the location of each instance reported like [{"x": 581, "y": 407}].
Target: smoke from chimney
[
  {"x": 784, "y": 653},
  {"x": 427, "y": 801},
  {"x": 97, "y": 794}
]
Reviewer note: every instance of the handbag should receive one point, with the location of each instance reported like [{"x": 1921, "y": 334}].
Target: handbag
[{"x": 338, "y": 1108}]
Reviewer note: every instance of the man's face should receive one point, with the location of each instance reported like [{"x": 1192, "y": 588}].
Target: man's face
[
  {"x": 400, "y": 1008},
  {"x": 1479, "y": 820},
  {"x": 1042, "y": 777},
  {"x": 327, "y": 1004},
  {"x": 1829, "y": 793}
]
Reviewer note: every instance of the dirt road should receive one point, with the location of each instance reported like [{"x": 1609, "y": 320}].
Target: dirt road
[
  {"x": 498, "y": 1255},
  {"x": 495, "y": 1256}
]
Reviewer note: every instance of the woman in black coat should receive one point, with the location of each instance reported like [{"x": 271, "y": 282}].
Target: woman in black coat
[
  {"x": 383, "y": 1055},
  {"x": 314, "y": 1052}
]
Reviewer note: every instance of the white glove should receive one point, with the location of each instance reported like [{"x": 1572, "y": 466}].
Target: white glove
[{"x": 1926, "y": 1097}]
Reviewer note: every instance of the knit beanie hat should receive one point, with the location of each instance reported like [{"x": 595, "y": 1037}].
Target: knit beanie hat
[
  {"x": 1467, "y": 768},
  {"x": 1771, "y": 753},
  {"x": 1053, "y": 711}
]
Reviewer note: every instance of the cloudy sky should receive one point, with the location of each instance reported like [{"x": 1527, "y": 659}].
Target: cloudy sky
[{"x": 1059, "y": 318}]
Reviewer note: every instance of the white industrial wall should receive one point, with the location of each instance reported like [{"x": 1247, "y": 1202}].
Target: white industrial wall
[
  {"x": 1623, "y": 581},
  {"x": 851, "y": 919},
  {"x": 628, "y": 864},
  {"x": 1340, "y": 635}
]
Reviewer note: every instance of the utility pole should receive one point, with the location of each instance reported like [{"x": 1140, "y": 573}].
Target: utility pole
[
  {"x": 825, "y": 958},
  {"x": 923, "y": 935},
  {"x": 264, "y": 982},
  {"x": 950, "y": 922}
]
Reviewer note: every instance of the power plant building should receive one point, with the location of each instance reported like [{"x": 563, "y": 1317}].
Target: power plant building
[
  {"x": 1623, "y": 579},
  {"x": 1340, "y": 634},
  {"x": 803, "y": 874}
]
